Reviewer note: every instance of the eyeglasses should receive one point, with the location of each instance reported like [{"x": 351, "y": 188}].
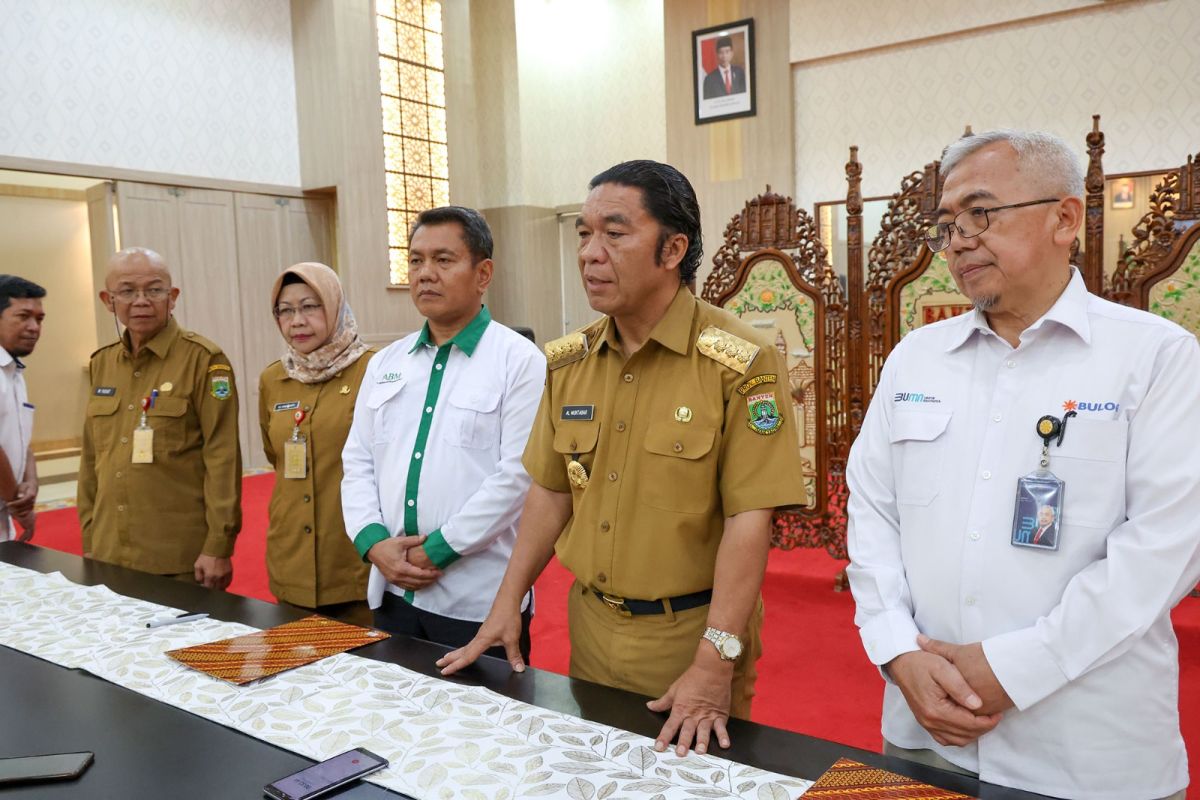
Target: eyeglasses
[
  {"x": 153, "y": 294},
  {"x": 306, "y": 310},
  {"x": 970, "y": 223}
]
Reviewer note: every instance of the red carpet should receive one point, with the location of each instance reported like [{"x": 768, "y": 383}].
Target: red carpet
[{"x": 813, "y": 678}]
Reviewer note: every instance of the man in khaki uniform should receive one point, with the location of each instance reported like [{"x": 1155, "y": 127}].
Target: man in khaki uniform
[
  {"x": 660, "y": 450},
  {"x": 170, "y": 505}
]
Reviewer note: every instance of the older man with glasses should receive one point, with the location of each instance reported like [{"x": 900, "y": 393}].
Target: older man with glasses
[
  {"x": 160, "y": 484},
  {"x": 1024, "y": 502}
]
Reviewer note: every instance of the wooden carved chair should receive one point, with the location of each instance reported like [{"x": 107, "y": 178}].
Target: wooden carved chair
[
  {"x": 1160, "y": 270},
  {"x": 772, "y": 272}
]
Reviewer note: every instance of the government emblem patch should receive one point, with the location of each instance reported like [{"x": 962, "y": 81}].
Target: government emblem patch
[
  {"x": 221, "y": 387},
  {"x": 764, "y": 414}
]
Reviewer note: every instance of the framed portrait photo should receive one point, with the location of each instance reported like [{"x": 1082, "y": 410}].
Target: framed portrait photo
[
  {"x": 723, "y": 71},
  {"x": 1122, "y": 193}
]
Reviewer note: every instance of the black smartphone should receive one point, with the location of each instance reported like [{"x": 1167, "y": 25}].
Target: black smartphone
[
  {"x": 55, "y": 767},
  {"x": 326, "y": 776}
]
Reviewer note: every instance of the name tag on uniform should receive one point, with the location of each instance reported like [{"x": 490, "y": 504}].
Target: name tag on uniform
[
  {"x": 287, "y": 406},
  {"x": 105, "y": 391},
  {"x": 143, "y": 446},
  {"x": 584, "y": 413},
  {"x": 295, "y": 460}
]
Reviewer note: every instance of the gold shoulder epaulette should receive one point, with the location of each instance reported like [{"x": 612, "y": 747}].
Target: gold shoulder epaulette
[
  {"x": 725, "y": 348},
  {"x": 566, "y": 349},
  {"x": 207, "y": 344}
]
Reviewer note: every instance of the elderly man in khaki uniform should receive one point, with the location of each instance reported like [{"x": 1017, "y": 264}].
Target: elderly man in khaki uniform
[
  {"x": 657, "y": 459},
  {"x": 160, "y": 476}
]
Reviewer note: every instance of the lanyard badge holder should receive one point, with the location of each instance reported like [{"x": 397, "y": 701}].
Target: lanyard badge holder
[
  {"x": 1037, "y": 517},
  {"x": 143, "y": 437},
  {"x": 295, "y": 454}
]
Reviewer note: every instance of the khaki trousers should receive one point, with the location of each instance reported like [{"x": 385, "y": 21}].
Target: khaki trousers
[{"x": 645, "y": 654}]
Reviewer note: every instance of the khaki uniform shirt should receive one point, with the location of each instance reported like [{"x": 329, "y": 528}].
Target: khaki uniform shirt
[
  {"x": 160, "y": 517},
  {"x": 310, "y": 560},
  {"x": 673, "y": 441}
]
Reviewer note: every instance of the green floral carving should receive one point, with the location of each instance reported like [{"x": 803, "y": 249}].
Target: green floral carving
[
  {"x": 768, "y": 288},
  {"x": 1177, "y": 297},
  {"x": 935, "y": 283}
]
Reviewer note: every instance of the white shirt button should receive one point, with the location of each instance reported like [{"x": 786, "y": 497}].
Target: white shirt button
[
  {"x": 1010, "y": 363},
  {"x": 428, "y": 409},
  {"x": 970, "y": 601},
  {"x": 412, "y": 503},
  {"x": 974, "y": 536},
  {"x": 995, "y": 418},
  {"x": 437, "y": 366},
  {"x": 417, "y": 456},
  {"x": 987, "y": 473}
]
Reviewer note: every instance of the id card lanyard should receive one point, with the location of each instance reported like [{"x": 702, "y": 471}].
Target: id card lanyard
[
  {"x": 1037, "y": 514},
  {"x": 143, "y": 435},
  {"x": 295, "y": 452}
]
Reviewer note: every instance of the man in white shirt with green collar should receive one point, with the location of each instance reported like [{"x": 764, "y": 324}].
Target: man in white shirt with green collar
[{"x": 433, "y": 484}]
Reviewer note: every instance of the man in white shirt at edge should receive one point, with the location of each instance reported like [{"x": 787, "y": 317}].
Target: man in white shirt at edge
[
  {"x": 433, "y": 483},
  {"x": 21, "y": 317},
  {"x": 1053, "y": 671}
]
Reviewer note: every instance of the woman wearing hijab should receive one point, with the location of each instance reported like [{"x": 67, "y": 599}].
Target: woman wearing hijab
[{"x": 305, "y": 406}]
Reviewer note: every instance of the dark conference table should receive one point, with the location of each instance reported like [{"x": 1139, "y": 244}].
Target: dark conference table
[{"x": 147, "y": 749}]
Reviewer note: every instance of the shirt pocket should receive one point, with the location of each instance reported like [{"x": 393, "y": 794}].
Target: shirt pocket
[
  {"x": 681, "y": 472},
  {"x": 1091, "y": 465},
  {"x": 387, "y": 414},
  {"x": 103, "y": 421},
  {"x": 576, "y": 441},
  {"x": 473, "y": 417},
  {"x": 919, "y": 446},
  {"x": 168, "y": 418}
]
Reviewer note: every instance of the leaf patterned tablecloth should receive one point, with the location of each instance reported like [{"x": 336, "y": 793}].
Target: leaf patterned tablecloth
[{"x": 443, "y": 740}]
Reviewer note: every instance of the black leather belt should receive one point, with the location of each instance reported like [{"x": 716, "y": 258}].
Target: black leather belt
[{"x": 629, "y": 607}]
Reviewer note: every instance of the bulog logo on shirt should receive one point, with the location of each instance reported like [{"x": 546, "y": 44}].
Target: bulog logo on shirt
[{"x": 1071, "y": 405}]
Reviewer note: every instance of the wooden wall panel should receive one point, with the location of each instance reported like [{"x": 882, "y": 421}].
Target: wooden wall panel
[{"x": 148, "y": 216}]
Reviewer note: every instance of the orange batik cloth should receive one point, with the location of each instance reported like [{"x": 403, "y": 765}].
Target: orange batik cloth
[
  {"x": 849, "y": 779},
  {"x": 259, "y": 655}
]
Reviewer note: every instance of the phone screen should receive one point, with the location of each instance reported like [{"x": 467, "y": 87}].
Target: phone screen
[
  {"x": 327, "y": 775},
  {"x": 52, "y": 767}
]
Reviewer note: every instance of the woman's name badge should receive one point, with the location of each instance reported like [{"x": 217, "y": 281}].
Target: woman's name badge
[
  {"x": 143, "y": 438},
  {"x": 295, "y": 452}
]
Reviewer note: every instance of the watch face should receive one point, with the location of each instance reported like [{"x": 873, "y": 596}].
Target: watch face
[{"x": 731, "y": 648}]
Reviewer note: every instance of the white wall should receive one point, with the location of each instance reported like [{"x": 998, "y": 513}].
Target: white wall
[
  {"x": 592, "y": 89},
  {"x": 187, "y": 87},
  {"x": 1132, "y": 63},
  {"x": 821, "y": 28}
]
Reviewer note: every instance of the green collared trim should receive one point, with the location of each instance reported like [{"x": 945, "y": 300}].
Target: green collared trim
[
  {"x": 439, "y": 551},
  {"x": 368, "y": 537},
  {"x": 467, "y": 339}
]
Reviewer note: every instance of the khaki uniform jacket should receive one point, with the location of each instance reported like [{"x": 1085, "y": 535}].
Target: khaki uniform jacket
[
  {"x": 160, "y": 517},
  {"x": 310, "y": 560},
  {"x": 673, "y": 442}
]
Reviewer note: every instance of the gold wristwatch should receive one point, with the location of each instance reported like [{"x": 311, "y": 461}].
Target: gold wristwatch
[{"x": 729, "y": 647}]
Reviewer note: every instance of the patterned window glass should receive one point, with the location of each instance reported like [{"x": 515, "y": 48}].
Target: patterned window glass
[{"x": 412, "y": 88}]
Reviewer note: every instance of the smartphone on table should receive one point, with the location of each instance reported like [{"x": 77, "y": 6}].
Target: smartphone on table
[
  {"x": 54, "y": 767},
  {"x": 326, "y": 776}
]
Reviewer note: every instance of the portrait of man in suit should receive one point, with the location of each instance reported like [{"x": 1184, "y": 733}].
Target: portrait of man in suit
[
  {"x": 1046, "y": 532},
  {"x": 727, "y": 78}
]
